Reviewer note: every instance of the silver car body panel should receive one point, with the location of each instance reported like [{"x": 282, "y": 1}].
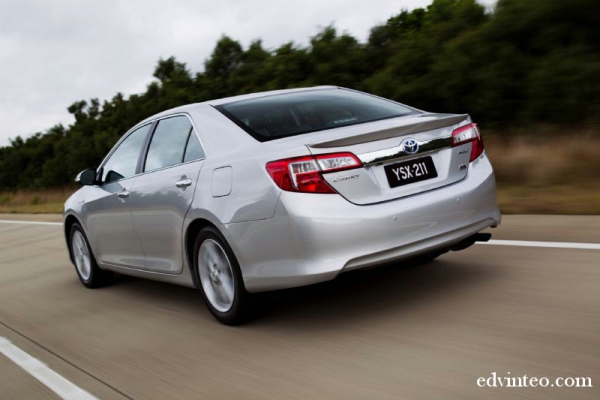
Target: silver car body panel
[
  {"x": 109, "y": 225},
  {"x": 284, "y": 239},
  {"x": 314, "y": 239},
  {"x": 158, "y": 208}
]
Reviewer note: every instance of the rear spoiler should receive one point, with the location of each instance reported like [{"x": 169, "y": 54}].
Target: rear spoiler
[{"x": 420, "y": 123}]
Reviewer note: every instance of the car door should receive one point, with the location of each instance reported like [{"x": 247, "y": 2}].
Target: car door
[
  {"x": 163, "y": 193},
  {"x": 109, "y": 222}
]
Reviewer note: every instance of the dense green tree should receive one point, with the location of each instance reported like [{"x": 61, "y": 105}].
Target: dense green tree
[
  {"x": 226, "y": 57},
  {"x": 337, "y": 60},
  {"x": 250, "y": 74},
  {"x": 528, "y": 62},
  {"x": 289, "y": 67}
]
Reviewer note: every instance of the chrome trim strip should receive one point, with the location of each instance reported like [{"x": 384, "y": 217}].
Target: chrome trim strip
[{"x": 395, "y": 153}]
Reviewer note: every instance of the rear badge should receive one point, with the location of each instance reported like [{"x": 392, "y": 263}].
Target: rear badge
[
  {"x": 410, "y": 146},
  {"x": 345, "y": 178}
]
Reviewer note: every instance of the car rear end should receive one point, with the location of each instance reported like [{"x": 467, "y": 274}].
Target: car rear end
[{"x": 366, "y": 192}]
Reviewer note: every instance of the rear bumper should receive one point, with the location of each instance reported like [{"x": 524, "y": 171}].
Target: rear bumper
[{"x": 312, "y": 238}]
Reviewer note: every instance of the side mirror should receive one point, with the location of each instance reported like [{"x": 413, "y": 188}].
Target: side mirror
[{"x": 86, "y": 177}]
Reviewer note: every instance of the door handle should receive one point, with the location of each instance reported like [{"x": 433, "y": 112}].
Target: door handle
[
  {"x": 123, "y": 194},
  {"x": 183, "y": 183}
]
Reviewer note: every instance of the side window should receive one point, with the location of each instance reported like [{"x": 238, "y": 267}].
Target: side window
[
  {"x": 123, "y": 161},
  {"x": 168, "y": 142},
  {"x": 193, "y": 150}
]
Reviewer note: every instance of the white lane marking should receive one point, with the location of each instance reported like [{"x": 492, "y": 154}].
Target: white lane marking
[
  {"x": 556, "y": 245},
  {"x": 8, "y": 221},
  {"x": 42, "y": 373}
]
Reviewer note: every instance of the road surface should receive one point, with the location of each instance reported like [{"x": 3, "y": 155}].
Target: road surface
[{"x": 401, "y": 331}]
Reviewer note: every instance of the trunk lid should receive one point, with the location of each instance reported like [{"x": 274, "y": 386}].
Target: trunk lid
[{"x": 387, "y": 162}]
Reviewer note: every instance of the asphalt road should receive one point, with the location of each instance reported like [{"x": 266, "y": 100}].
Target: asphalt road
[{"x": 402, "y": 331}]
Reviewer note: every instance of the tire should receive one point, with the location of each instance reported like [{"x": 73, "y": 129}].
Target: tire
[
  {"x": 87, "y": 269},
  {"x": 219, "y": 278}
]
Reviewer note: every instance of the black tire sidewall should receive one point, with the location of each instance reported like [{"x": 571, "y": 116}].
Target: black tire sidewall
[{"x": 235, "y": 314}]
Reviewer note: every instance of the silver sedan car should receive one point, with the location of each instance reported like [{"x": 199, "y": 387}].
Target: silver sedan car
[{"x": 279, "y": 189}]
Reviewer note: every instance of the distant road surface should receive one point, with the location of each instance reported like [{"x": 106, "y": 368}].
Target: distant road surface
[{"x": 401, "y": 331}]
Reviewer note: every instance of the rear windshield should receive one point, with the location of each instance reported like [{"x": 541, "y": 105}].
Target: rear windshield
[{"x": 282, "y": 115}]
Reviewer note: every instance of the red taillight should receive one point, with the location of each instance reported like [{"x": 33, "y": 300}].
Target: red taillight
[
  {"x": 304, "y": 174},
  {"x": 469, "y": 133}
]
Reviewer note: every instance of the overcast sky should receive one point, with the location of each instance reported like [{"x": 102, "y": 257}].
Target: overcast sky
[{"x": 55, "y": 52}]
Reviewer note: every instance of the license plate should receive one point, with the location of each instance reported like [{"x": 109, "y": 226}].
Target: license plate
[{"x": 404, "y": 173}]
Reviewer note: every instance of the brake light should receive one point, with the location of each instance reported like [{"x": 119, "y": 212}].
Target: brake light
[
  {"x": 305, "y": 174},
  {"x": 469, "y": 133}
]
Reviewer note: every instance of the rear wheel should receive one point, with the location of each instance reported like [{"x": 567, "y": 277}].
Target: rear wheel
[
  {"x": 220, "y": 279},
  {"x": 85, "y": 264}
]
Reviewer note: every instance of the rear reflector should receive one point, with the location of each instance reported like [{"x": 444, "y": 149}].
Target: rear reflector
[
  {"x": 304, "y": 174},
  {"x": 466, "y": 134}
]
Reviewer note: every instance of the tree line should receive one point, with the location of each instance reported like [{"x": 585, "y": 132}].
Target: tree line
[{"x": 522, "y": 64}]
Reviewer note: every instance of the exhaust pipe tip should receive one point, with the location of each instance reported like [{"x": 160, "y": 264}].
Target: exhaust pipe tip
[{"x": 470, "y": 241}]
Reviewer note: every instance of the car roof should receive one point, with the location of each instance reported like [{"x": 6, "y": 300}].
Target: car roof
[
  {"x": 264, "y": 94},
  {"x": 216, "y": 102}
]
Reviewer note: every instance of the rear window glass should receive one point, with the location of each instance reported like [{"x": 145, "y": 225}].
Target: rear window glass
[{"x": 278, "y": 116}]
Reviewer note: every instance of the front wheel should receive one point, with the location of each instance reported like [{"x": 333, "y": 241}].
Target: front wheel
[
  {"x": 220, "y": 279},
  {"x": 85, "y": 264}
]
